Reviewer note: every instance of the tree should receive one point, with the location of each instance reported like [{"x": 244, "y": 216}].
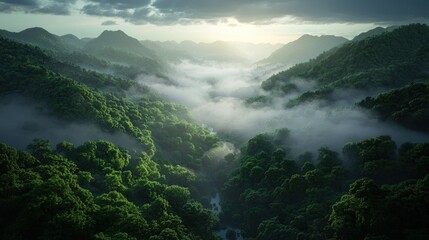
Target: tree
[
  {"x": 260, "y": 143},
  {"x": 100, "y": 155},
  {"x": 308, "y": 166},
  {"x": 273, "y": 229},
  {"x": 116, "y": 214},
  {"x": 176, "y": 196},
  {"x": 230, "y": 234},
  {"x": 199, "y": 219},
  {"x": 360, "y": 212},
  {"x": 328, "y": 159},
  {"x": 40, "y": 148},
  {"x": 256, "y": 174}
]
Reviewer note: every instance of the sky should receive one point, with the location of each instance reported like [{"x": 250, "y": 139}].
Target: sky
[{"x": 257, "y": 21}]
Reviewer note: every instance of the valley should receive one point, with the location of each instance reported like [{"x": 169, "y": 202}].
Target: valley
[{"x": 118, "y": 138}]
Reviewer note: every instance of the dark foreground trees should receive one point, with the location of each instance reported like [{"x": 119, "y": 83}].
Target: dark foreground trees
[
  {"x": 92, "y": 192},
  {"x": 371, "y": 191}
]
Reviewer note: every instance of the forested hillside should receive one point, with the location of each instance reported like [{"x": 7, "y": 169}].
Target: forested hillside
[
  {"x": 250, "y": 164},
  {"x": 373, "y": 32},
  {"x": 373, "y": 188},
  {"x": 79, "y": 188},
  {"x": 392, "y": 59},
  {"x": 15, "y": 55},
  {"x": 119, "y": 48},
  {"x": 408, "y": 106},
  {"x": 111, "y": 52},
  {"x": 29, "y": 72},
  {"x": 39, "y": 37},
  {"x": 372, "y": 192}
]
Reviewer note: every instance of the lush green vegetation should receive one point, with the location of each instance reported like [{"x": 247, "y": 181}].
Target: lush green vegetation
[
  {"x": 170, "y": 124},
  {"x": 97, "y": 190},
  {"x": 274, "y": 196},
  {"x": 14, "y": 54},
  {"x": 93, "y": 191},
  {"x": 408, "y": 106},
  {"x": 111, "y": 52},
  {"x": 90, "y": 62},
  {"x": 160, "y": 189},
  {"x": 166, "y": 132},
  {"x": 392, "y": 59}
]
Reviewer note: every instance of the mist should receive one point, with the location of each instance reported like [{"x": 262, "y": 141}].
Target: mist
[
  {"x": 22, "y": 120},
  {"x": 215, "y": 93}
]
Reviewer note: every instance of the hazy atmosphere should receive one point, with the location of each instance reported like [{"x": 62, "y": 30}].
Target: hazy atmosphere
[
  {"x": 216, "y": 92},
  {"x": 214, "y": 120},
  {"x": 206, "y": 21}
]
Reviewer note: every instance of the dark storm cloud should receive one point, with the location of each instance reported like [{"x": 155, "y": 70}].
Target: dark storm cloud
[
  {"x": 316, "y": 10},
  {"x": 57, "y": 7},
  {"x": 18, "y": 5},
  {"x": 110, "y": 8},
  {"x": 107, "y": 11},
  {"x": 120, "y": 5},
  {"x": 254, "y": 11},
  {"x": 138, "y": 12},
  {"x": 359, "y": 11},
  {"x": 21, "y": 2},
  {"x": 249, "y": 11},
  {"x": 108, "y": 23}
]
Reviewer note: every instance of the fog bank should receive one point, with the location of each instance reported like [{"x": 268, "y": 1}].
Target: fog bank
[
  {"x": 215, "y": 93},
  {"x": 23, "y": 119}
]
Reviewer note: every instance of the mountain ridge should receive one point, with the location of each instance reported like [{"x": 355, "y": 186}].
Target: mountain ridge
[
  {"x": 119, "y": 40},
  {"x": 392, "y": 59},
  {"x": 40, "y": 37},
  {"x": 304, "y": 48}
]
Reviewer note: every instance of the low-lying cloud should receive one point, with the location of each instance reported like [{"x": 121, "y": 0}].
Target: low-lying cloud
[
  {"x": 22, "y": 120},
  {"x": 193, "y": 84},
  {"x": 215, "y": 93}
]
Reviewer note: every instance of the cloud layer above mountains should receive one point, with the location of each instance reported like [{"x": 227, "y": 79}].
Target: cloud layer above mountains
[
  {"x": 56, "y": 7},
  {"x": 166, "y": 12}
]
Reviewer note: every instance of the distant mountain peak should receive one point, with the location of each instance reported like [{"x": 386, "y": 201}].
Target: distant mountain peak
[
  {"x": 307, "y": 36},
  {"x": 115, "y": 39},
  {"x": 304, "y": 48},
  {"x": 37, "y": 31},
  {"x": 121, "y": 41},
  {"x": 70, "y": 36},
  {"x": 109, "y": 37},
  {"x": 40, "y": 37},
  {"x": 114, "y": 33},
  {"x": 373, "y": 63},
  {"x": 373, "y": 32},
  {"x": 187, "y": 42},
  {"x": 72, "y": 40}
]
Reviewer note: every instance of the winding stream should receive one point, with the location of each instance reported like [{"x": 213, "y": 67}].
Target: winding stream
[{"x": 216, "y": 208}]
